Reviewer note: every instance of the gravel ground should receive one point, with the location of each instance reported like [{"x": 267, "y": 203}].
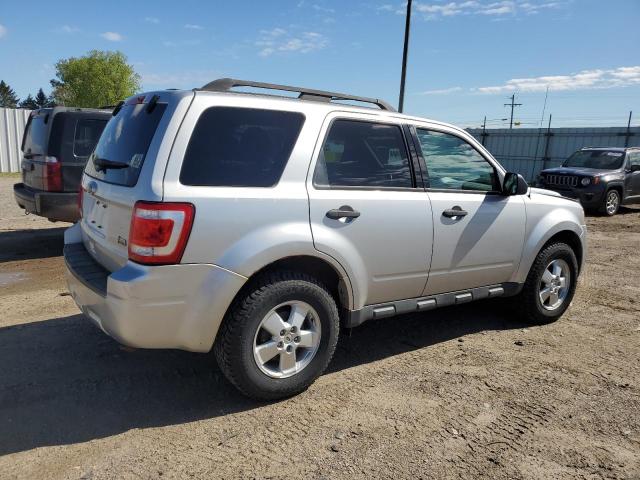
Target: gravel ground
[{"x": 465, "y": 392}]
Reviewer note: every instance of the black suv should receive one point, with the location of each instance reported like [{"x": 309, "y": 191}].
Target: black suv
[
  {"x": 56, "y": 145},
  {"x": 602, "y": 178}
]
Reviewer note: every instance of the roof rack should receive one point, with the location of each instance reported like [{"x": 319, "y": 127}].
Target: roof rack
[{"x": 226, "y": 84}]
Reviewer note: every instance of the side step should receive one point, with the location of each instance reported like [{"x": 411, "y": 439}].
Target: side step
[{"x": 422, "y": 304}]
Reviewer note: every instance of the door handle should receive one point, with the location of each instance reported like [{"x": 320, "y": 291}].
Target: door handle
[
  {"x": 344, "y": 211},
  {"x": 454, "y": 212}
]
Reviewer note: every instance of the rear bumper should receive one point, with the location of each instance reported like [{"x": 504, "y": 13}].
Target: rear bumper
[
  {"x": 169, "y": 306},
  {"x": 62, "y": 206}
]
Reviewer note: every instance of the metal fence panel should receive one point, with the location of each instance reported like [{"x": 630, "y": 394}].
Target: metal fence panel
[
  {"x": 12, "y": 123},
  {"x": 529, "y": 150}
]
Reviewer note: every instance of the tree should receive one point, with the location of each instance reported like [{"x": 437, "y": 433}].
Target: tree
[
  {"x": 94, "y": 80},
  {"x": 43, "y": 101},
  {"x": 8, "y": 97},
  {"x": 29, "y": 103}
]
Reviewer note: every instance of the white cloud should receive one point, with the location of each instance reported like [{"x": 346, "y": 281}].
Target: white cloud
[
  {"x": 67, "y": 29},
  {"x": 184, "y": 79},
  {"x": 112, "y": 36},
  {"x": 182, "y": 43},
  {"x": 442, "y": 91},
  {"x": 320, "y": 8},
  {"x": 280, "y": 40},
  {"x": 152, "y": 20},
  {"x": 3, "y": 30},
  {"x": 583, "y": 80},
  {"x": 193, "y": 26},
  {"x": 432, "y": 10}
]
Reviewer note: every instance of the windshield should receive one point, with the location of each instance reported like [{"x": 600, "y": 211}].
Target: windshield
[
  {"x": 599, "y": 159},
  {"x": 34, "y": 141},
  {"x": 125, "y": 140}
]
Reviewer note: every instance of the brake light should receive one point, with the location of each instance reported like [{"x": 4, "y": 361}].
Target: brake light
[
  {"x": 52, "y": 177},
  {"x": 80, "y": 195},
  {"x": 159, "y": 232}
]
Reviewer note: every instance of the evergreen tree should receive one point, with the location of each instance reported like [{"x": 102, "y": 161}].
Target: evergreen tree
[
  {"x": 8, "y": 97},
  {"x": 29, "y": 103},
  {"x": 43, "y": 101}
]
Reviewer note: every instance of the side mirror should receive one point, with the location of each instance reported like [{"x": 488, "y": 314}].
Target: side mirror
[
  {"x": 514, "y": 184},
  {"x": 635, "y": 168}
]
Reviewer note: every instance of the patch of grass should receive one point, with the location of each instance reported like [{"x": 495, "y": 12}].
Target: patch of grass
[{"x": 10, "y": 175}]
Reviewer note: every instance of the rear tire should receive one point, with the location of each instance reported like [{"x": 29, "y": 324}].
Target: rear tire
[
  {"x": 279, "y": 336},
  {"x": 611, "y": 203},
  {"x": 550, "y": 285}
]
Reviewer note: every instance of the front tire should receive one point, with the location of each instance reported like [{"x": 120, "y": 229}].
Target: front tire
[
  {"x": 550, "y": 285},
  {"x": 279, "y": 336},
  {"x": 611, "y": 203}
]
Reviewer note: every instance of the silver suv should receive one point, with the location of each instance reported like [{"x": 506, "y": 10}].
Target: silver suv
[{"x": 257, "y": 225}]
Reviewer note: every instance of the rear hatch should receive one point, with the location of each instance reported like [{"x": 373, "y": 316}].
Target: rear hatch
[
  {"x": 115, "y": 178},
  {"x": 56, "y": 145},
  {"x": 35, "y": 148}
]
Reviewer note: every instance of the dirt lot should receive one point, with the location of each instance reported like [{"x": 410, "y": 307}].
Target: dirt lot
[{"x": 464, "y": 392}]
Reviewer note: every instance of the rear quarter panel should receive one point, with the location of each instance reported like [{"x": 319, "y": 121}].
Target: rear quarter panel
[{"x": 243, "y": 229}]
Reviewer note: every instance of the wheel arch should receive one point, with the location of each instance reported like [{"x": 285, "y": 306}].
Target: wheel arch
[
  {"x": 570, "y": 238},
  {"x": 547, "y": 231}
]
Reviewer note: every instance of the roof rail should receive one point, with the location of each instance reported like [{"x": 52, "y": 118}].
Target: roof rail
[{"x": 226, "y": 84}]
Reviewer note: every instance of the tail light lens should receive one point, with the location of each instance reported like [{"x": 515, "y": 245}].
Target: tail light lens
[
  {"x": 159, "y": 232},
  {"x": 80, "y": 195},
  {"x": 52, "y": 174}
]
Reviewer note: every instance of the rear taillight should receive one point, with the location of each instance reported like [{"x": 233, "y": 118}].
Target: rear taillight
[
  {"x": 80, "y": 195},
  {"x": 52, "y": 177},
  {"x": 159, "y": 232}
]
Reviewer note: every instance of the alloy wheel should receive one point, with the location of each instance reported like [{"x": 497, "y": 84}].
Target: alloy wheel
[
  {"x": 287, "y": 339},
  {"x": 612, "y": 202},
  {"x": 555, "y": 284}
]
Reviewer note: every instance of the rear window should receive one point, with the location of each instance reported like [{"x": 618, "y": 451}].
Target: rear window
[
  {"x": 240, "y": 147},
  {"x": 34, "y": 141},
  {"x": 86, "y": 136},
  {"x": 125, "y": 141}
]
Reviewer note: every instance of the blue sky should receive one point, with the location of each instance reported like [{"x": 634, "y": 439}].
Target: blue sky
[{"x": 466, "y": 56}]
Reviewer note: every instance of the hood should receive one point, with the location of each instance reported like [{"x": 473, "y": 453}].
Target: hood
[
  {"x": 543, "y": 191},
  {"x": 588, "y": 172}
]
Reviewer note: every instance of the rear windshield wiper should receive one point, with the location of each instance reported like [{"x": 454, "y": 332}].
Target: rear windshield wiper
[{"x": 104, "y": 164}]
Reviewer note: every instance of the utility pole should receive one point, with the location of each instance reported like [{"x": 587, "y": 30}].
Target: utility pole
[
  {"x": 626, "y": 137},
  {"x": 484, "y": 130},
  {"x": 512, "y": 104},
  {"x": 405, "y": 53}
]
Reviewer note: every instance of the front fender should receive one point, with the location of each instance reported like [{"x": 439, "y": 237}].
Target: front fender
[{"x": 541, "y": 228}]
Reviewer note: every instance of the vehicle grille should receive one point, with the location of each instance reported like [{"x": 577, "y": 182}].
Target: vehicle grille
[{"x": 561, "y": 180}]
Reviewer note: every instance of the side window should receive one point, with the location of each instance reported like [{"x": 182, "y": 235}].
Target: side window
[
  {"x": 363, "y": 154},
  {"x": 634, "y": 158},
  {"x": 240, "y": 147},
  {"x": 454, "y": 164},
  {"x": 86, "y": 136}
]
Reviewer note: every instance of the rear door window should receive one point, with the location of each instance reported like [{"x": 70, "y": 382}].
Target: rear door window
[
  {"x": 240, "y": 147},
  {"x": 363, "y": 154},
  {"x": 34, "y": 141},
  {"x": 124, "y": 143},
  {"x": 86, "y": 136}
]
